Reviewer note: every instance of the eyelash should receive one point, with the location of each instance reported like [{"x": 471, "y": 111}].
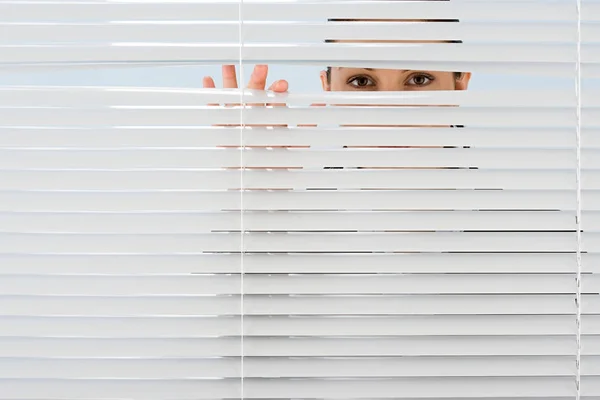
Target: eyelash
[
  {"x": 429, "y": 77},
  {"x": 354, "y": 78}
]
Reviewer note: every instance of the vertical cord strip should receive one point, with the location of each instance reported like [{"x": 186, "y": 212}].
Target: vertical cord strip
[
  {"x": 579, "y": 196},
  {"x": 242, "y": 233}
]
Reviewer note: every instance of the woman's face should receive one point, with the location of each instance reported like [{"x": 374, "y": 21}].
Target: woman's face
[{"x": 376, "y": 80}]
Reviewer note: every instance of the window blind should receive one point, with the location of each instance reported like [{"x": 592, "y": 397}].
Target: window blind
[{"x": 170, "y": 243}]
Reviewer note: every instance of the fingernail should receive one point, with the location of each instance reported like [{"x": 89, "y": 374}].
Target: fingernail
[{"x": 260, "y": 68}]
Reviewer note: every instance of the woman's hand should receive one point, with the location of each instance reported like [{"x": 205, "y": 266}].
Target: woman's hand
[{"x": 258, "y": 81}]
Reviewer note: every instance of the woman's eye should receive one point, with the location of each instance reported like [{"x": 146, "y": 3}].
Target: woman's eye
[
  {"x": 361, "y": 81},
  {"x": 420, "y": 80}
]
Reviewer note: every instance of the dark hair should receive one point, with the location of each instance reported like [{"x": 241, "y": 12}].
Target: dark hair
[{"x": 457, "y": 75}]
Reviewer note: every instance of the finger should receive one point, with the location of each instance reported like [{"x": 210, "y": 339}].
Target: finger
[
  {"x": 208, "y": 83},
  {"x": 229, "y": 77},
  {"x": 279, "y": 86},
  {"x": 258, "y": 79}
]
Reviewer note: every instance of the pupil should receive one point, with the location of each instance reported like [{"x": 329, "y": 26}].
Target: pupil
[
  {"x": 363, "y": 81},
  {"x": 420, "y": 80}
]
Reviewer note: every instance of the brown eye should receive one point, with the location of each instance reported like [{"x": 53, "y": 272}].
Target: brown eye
[
  {"x": 420, "y": 80},
  {"x": 361, "y": 82}
]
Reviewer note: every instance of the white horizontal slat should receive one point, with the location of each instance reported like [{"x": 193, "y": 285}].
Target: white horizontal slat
[
  {"x": 142, "y": 201},
  {"x": 76, "y": 368},
  {"x": 589, "y": 54},
  {"x": 483, "y": 137},
  {"x": 590, "y": 386},
  {"x": 198, "y": 201},
  {"x": 23, "y": 11},
  {"x": 89, "y": 304},
  {"x": 333, "y": 53},
  {"x": 590, "y": 344},
  {"x": 128, "y": 180},
  {"x": 164, "y": 97},
  {"x": 422, "y": 263},
  {"x": 98, "y": 347},
  {"x": 218, "y": 158},
  {"x": 466, "y": 30},
  {"x": 497, "y": 117},
  {"x": 400, "y": 116},
  {"x": 588, "y": 70},
  {"x": 409, "y": 221},
  {"x": 504, "y": 387},
  {"x": 410, "y": 346},
  {"x": 393, "y": 52},
  {"x": 326, "y": 179},
  {"x": 590, "y": 365},
  {"x": 463, "y": 10},
  {"x": 378, "y": 158},
  {"x": 408, "y": 367},
  {"x": 413, "y": 242},
  {"x": 177, "y": 222},
  {"x": 590, "y": 324},
  {"x": 404, "y": 179},
  {"x": 282, "y": 10},
  {"x": 165, "y": 263},
  {"x": 124, "y": 137},
  {"x": 150, "y": 389},
  {"x": 589, "y": 139},
  {"x": 436, "y": 304},
  {"x": 122, "y": 285},
  {"x": 590, "y": 300},
  {"x": 119, "y": 159},
  {"x": 188, "y": 389},
  {"x": 590, "y": 242},
  {"x": 73, "y": 243},
  {"x": 304, "y": 158},
  {"x": 119, "y": 264},
  {"x": 134, "y": 222},
  {"x": 104, "y": 368},
  {"x": 591, "y": 221},
  {"x": 181, "y": 305},
  {"x": 408, "y": 284},
  {"x": 186, "y": 137},
  {"x": 295, "y": 31},
  {"x": 411, "y": 325},
  {"x": 590, "y": 283},
  {"x": 144, "y": 31},
  {"x": 124, "y": 327}
]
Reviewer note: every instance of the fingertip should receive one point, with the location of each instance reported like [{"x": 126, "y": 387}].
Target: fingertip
[
  {"x": 262, "y": 68},
  {"x": 208, "y": 82},
  {"x": 228, "y": 71},
  {"x": 281, "y": 86}
]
